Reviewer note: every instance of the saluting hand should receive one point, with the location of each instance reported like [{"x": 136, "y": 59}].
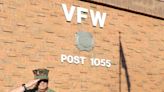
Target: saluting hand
[{"x": 31, "y": 84}]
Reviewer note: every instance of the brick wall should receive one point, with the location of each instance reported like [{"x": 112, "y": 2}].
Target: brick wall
[{"x": 33, "y": 34}]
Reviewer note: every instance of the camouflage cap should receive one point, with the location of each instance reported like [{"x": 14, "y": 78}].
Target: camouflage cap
[{"x": 40, "y": 73}]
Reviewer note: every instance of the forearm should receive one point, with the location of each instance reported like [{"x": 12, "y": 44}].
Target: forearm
[{"x": 28, "y": 86}]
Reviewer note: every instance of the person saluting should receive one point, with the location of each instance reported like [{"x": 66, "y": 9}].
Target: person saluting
[{"x": 39, "y": 84}]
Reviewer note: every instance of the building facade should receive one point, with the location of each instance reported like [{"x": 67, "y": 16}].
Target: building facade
[{"x": 36, "y": 33}]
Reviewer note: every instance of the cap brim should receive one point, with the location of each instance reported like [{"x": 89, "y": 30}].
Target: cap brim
[{"x": 41, "y": 77}]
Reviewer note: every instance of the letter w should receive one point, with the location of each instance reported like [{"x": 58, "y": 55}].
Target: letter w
[{"x": 97, "y": 17}]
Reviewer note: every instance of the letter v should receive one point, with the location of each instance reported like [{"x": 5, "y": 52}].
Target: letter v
[{"x": 69, "y": 14}]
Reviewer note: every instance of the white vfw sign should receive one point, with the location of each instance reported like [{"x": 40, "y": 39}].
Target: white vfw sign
[{"x": 96, "y": 17}]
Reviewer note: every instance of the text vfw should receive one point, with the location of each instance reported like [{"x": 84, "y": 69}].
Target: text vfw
[{"x": 82, "y": 14}]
